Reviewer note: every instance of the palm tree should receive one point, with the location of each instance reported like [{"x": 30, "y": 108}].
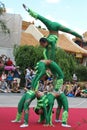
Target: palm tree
[{"x": 2, "y": 23}]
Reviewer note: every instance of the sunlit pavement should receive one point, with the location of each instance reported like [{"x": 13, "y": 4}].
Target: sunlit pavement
[{"x": 12, "y": 99}]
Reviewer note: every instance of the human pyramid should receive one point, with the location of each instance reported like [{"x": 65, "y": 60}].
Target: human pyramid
[{"x": 45, "y": 100}]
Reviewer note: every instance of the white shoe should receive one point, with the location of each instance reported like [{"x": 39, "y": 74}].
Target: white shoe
[
  {"x": 66, "y": 125},
  {"x": 24, "y": 125},
  {"x": 58, "y": 121},
  {"x": 16, "y": 121}
]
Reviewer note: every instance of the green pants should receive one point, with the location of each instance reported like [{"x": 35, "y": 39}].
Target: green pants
[
  {"x": 41, "y": 70},
  {"x": 53, "y": 26},
  {"x": 46, "y": 102},
  {"x": 24, "y": 104},
  {"x": 62, "y": 102}
]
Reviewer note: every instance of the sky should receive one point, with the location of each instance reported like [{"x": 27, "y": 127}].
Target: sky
[{"x": 70, "y": 13}]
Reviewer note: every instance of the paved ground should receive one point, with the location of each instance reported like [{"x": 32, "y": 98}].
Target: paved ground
[{"x": 12, "y": 99}]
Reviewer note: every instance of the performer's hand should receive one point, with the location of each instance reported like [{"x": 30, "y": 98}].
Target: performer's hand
[{"x": 25, "y": 7}]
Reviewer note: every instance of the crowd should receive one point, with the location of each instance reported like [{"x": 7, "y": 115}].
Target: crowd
[
  {"x": 71, "y": 89},
  {"x": 42, "y": 85},
  {"x": 10, "y": 79},
  {"x": 75, "y": 89},
  {"x": 9, "y": 76}
]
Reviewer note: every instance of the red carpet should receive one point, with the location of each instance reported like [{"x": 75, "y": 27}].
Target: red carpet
[{"x": 77, "y": 119}]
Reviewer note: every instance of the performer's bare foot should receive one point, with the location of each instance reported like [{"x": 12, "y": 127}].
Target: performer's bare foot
[
  {"x": 25, "y": 7},
  {"x": 32, "y": 13}
]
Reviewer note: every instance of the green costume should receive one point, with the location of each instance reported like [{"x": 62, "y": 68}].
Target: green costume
[
  {"x": 52, "y": 38},
  {"x": 84, "y": 91},
  {"x": 62, "y": 102},
  {"x": 53, "y": 26},
  {"x": 24, "y": 105},
  {"x": 49, "y": 52},
  {"x": 41, "y": 70},
  {"x": 46, "y": 102}
]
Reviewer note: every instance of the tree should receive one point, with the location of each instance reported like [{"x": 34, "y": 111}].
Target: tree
[
  {"x": 81, "y": 72},
  {"x": 27, "y": 56},
  {"x": 67, "y": 62},
  {"x": 2, "y": 8},
  {"x": 2, "y": 23}
]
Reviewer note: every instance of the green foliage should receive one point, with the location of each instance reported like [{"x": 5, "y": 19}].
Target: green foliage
[
  {"x": 4, "y": 27},
  {"x": 29, "y": 55},
  {"x": 2, "y": 23},
  {"x": 2, "y": 8},
  {"x": 67, "y": 62},
  {"x": 81, "y": 72}
]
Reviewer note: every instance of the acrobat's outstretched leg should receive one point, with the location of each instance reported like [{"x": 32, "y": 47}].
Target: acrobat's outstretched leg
[{"x": 52, "y": 26}]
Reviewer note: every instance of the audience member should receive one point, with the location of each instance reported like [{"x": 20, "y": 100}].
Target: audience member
[
  {"x": 9, "y": 62},
  {"x": 76, "y": 90},
  {"x": 28, "y": 85},
  {"x": 15, "y": 87},
  {"x": 3, "y": 86},
  {"x": 4, "y": 58},
  {"x": 1, "y": 63},
  {"x": 17, "y": 75},
  {"x": 84, "y": 91},
  {"x": 9, "y": 78}
]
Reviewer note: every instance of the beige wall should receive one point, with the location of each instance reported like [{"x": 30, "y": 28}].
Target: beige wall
[{"x": 14, "y": 23}]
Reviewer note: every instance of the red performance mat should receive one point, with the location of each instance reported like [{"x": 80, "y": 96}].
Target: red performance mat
[{"x": 77, "y": 119}]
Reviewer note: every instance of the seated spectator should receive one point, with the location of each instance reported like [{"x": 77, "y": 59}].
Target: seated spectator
[
  {"x": 28, "y": 78},
  {"x": 9, "y": 62},
  {"x": 9, "y": 78},
  {"x": 27, "y": 71},
  {"x": 64, "y": 88},
  {"x": 67, "y": 89},
  {"x": 3, "y": 76},
  {"x": 4, "y": 58},
  {"x": 17, "y": 75},
  {"x": 84, "y": 92},
  {"x": 32, "y": 74},
  {"x": 3, "y": 86},
  {"x": 70, "y": 92},
  {"x": 9, "y": 65},
  {"x": 27, "y": 74},
  {"x": 28, "y": 85},
  {"x": 76, "y": 90},
  {"x": 15, "y": 88},
  {"x": 41, "y": 86},
  {"x": 48, "y": 84}
]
